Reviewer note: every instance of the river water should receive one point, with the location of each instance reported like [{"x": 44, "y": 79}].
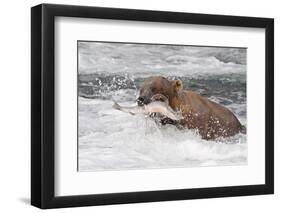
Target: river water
[{"x": 113, "y": 140}]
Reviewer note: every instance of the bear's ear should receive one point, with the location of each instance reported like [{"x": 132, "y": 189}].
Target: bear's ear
[{"x": 177, "y": 84}]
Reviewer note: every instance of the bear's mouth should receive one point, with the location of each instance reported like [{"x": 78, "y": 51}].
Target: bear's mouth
[
  {"x": 160, "y": 97},
  {"x": 144, "y": 100},
  {"x": 156, "y": 115},
  {"x": 141, "y": 101}
]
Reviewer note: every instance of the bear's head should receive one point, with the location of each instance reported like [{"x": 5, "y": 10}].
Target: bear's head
[{"x": 159, "y": 87}]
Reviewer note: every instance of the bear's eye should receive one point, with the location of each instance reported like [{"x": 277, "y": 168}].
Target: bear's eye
[{"x": 153, "y": 89}]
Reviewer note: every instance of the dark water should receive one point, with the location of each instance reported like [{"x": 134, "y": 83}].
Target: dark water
[{"x": 224, "y": 89}]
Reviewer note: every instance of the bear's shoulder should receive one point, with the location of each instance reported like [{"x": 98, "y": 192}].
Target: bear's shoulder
[
  {"x": 189, "y": 94},
  {"x": 193, "y": 99}
]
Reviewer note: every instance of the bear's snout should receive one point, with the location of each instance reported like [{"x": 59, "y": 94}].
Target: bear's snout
[{"x": 142, "y": 100}]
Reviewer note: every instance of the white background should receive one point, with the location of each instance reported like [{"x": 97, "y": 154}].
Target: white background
[
  {"x": 71, "y": 182},
  {"x": 15, "y": 106}
]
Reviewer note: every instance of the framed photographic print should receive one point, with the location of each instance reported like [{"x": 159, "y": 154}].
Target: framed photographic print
[{"x": 139, "y": 106}]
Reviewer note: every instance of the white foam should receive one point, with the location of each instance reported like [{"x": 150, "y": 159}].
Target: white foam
[
  {"x": 166, "y": 60},
  {"x": 113, "y": 140}
]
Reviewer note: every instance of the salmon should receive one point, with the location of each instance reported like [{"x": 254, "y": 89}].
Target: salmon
[{"x": 153, "y": 107}]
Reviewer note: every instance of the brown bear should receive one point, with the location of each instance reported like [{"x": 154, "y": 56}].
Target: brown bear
[{"x": 210, "y": 119}]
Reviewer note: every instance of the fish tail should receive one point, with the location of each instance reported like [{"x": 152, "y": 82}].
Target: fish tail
[{"x": 116, "y": 105}]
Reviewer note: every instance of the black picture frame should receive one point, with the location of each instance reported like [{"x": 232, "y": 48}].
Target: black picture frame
[{"x": 43, "y": 102}]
